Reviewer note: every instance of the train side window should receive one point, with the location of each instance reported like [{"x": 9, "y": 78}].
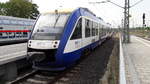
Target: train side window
[
  {"x": 77, "y": 34},
  {"x": 93, "y": 29},
  {"x": 96, "y": 30},
  {"x": 6, "y": 21},
  {"x": 87, "y": 28},
  {"x": 1, "y": 28},
  {"x": 100, "y": 30},
  {"x": 1, "y": 21},
  {"x": 90, "y": 26},
  {"x": 1, "y": 34},
  {"x": 13, "y": 22}
]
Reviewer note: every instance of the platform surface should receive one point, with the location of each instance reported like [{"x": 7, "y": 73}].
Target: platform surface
[
  {"x": 12, "y": 40},
  {"x": 137, "y": 61},
  {"x": 12, "y": 52}
]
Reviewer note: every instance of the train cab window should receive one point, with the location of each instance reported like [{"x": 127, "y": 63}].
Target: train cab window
[
  {"x": 77, "y": 34},
  {"x": 87, "y": 28},
  {"x": 53, "y": 25}
]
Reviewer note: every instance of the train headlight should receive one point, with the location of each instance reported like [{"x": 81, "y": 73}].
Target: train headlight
[
  {"x": 56, "y": 42},
  {"x": 54, "y": 46}
]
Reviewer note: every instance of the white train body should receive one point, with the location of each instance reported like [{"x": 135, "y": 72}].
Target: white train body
[
  {"x": 81, "y": 31},
  {"x": 13, "y": 28}
]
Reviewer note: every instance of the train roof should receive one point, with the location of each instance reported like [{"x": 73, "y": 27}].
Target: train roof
[
  {"x": 83, "y": 12},
  {"x": 69, "y": 10},
  {"x": 88, "y": 13},
  {"x": 14, "y": 18},
  {"x": 9, "y": 20}
]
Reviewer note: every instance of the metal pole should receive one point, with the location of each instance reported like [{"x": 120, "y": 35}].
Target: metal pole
[
  {"x": 124, "y": 29},
  {"x": 126, "y": 36},
  {"x": 128, "y": 26}
]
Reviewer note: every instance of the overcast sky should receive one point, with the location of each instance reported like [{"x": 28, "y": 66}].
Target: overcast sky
[{"x": 109, "y": 12}]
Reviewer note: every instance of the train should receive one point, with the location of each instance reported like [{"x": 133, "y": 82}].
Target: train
[
  {"x": 14, "y": 29},
  {"x": 61, "y": 37}
]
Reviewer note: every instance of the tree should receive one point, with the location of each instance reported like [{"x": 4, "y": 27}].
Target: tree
[
  {"x": 34, "y": 13},
  {"x": 21, "y": 8},
  {"x": 2, "y": 8}
]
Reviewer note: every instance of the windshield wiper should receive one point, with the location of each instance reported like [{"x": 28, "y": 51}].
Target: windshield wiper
[{"x": 56, "y": 20}]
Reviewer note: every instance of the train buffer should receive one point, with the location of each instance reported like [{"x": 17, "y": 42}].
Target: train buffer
[{"x": 137, "y": 61}]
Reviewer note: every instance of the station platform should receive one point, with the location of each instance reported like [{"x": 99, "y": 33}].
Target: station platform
[
  {"x": 137, "y": 61},
  {"x": 12, "y": 40},
  {"x": 11, "y": 59},
  {"x": 9, "y": 53}
]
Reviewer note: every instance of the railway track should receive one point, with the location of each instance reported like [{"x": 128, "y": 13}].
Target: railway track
[
  {"x": 45, "y": 77},
  {"x": 38, "y": 77}
]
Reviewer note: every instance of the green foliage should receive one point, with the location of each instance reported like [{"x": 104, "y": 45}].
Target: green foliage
[
  {"x": 148, "y": 28},
  {"x": 2, "y": 8},
  {"x": 19, "y": 8}
]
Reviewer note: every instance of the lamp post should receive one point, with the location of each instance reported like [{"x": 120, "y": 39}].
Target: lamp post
[{"x": 126, "y": 34}]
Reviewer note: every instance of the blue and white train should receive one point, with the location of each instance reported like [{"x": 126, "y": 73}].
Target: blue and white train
[
  {"x": 60, "y": 38},
  {"x": 13, "y": 29}
]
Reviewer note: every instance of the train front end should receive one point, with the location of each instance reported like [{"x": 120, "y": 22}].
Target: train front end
[{"x": 45, "y": 39}]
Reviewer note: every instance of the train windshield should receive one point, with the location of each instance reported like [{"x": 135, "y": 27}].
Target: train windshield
[{"x": 50, "y": 26}]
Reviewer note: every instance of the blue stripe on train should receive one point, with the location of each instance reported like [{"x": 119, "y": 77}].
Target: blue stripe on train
[
  {"x": 69, "y": 58},
  {"x": 69, "y": 29},
  {"x": 67, "y": 32}
]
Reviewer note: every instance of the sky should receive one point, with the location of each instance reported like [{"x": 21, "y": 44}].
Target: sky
[{"x": 109, "y": 12}]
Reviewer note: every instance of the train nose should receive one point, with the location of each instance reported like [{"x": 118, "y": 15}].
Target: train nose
[{"x": 36, "y": 56}]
